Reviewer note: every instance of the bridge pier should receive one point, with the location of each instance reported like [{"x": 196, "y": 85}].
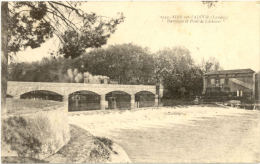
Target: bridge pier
[
  {"x": 156, "y": 100},
  {"x": 132, "y": 101},
  {"x": 103, "y": 102},
  {"x": 66, "y": 102}
]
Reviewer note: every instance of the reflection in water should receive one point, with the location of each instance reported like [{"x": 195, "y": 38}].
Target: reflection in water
[
  {"x": 144, "y": 99},
  {"x": 118, "y": 100},
  {"x": 84, "y": 100},
  {"x": 42, "y": 95}
]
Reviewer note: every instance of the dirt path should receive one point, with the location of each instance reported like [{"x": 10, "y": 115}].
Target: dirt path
[{"x": 191, "y": 134}]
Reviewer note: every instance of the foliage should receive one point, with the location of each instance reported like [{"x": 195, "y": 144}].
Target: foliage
[
  {"x": 20, "y": 137},
  {"x": 77, "y": 151},
  {"x": 127, "y": 64},
  {"x": 100, "y": 151},
  {"x": 32, "y": 23},
  {"x": 27, "y": 28},
  {"x": 46, "y": 70},
  {"x": 108, "y": 142},
  {"x": 36, "y": 134},
  {"x": 212, "y": 64},
  {"x": 181, "y": 78}
]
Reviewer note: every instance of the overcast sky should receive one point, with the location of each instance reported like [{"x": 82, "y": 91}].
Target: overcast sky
[{"x": 234, "y": 41}]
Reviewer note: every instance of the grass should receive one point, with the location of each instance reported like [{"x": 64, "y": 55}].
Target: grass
[
  {"x": 21, "y": 106},
  {"x": 18, "y": 135}
]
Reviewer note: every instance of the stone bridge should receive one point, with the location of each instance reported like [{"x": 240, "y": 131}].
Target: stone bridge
[{"x": 16, "y": 89}]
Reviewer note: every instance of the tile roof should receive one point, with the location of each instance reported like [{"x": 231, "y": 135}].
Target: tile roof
[{"x": 234, "y": 71}]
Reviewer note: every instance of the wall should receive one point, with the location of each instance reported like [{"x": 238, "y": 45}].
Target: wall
[{"x": 241, "y": 82}]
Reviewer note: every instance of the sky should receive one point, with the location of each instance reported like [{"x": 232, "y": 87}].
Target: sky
[{"x": 233, "y": 38}]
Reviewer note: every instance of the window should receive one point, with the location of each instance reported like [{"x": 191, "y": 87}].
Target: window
[
  {"x": 208, "y": 80},
  {"x": 212, "y": 81},
  {"x": 222, "y": 81},
  {"x": 226, "y": 80},
  {"x": 217, "y": 82}
]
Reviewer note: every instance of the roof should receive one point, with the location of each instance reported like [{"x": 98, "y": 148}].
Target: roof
[{"x": 234, "y": 71}]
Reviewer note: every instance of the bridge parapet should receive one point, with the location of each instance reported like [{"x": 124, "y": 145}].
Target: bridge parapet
[{"x": 17, "y": 88}]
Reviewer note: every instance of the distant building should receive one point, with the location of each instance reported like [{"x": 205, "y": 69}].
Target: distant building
[
  {"x": 95, "y": 79},
  {"x": 239, "y": 83}
]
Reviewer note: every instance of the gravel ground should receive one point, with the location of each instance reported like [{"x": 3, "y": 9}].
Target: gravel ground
[{"x": 180, "y": 134}]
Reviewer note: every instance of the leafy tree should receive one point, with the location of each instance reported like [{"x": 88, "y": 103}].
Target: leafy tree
[
  {"x": 180, "y": 76},
  {"x": 126, "y": 63},
  {"x": 212, "y": 64},
  {"x": 29, "y": 24}
]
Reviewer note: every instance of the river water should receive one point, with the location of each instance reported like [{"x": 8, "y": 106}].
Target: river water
[{"x": 226, "y": 136}]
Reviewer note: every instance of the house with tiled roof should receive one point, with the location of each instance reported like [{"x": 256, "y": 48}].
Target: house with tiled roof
[{"x": 237, "y": 83}]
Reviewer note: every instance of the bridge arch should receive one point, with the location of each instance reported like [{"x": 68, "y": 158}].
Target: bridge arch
[
  {"x": 84, "y": 100},
  {"x": 118, "y": 100},
  {"x": 42, "y": 94},
  {"x": 144, "y": 99}
]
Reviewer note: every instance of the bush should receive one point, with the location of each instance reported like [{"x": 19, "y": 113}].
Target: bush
[
  {"x": 20, "y": 137},
  {"x": 100, "y": 151},
  {"x": 36, "y": 135},
  {"x": 106, "y": 141}
]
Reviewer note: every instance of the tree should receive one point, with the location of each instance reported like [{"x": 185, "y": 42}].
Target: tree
[
  {"x": 126, "y": 63},
  {"x": 179, "y": 74},
  {"x": 212, "y": 64},
  {"x": 29, "y": 24},
  {"x": 4, "y": 53}
]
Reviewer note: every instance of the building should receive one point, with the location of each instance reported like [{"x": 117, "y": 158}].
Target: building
[
  {"x": 95, "y": 79},
  {"x": 238, "y": 83}
]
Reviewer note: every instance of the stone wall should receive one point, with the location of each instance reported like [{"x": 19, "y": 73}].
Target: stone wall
[{"x": 15, "y": 89}]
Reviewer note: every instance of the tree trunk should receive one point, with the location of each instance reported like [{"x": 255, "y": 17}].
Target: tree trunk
[{"x": 4, "y": 54}]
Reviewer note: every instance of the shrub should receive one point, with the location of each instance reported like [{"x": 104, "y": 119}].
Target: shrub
[
  {"x": 106, "y": 141},
  {"x": 36, "y": 135},
  {"x": 100, "y": 150},
  {"x": 19, "y": 136}
]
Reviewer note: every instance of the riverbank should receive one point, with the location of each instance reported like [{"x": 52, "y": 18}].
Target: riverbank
[
  {"x": 179, "y": 134},
  {"x": 47, "y": 123},
  {"x": 83, "y": 147}
]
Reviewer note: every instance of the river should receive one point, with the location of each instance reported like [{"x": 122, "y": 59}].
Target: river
[{"x": 190, "y": 134}]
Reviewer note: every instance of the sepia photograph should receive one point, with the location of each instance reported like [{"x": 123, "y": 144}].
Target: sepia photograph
[{"x": 130, "y": 81}]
